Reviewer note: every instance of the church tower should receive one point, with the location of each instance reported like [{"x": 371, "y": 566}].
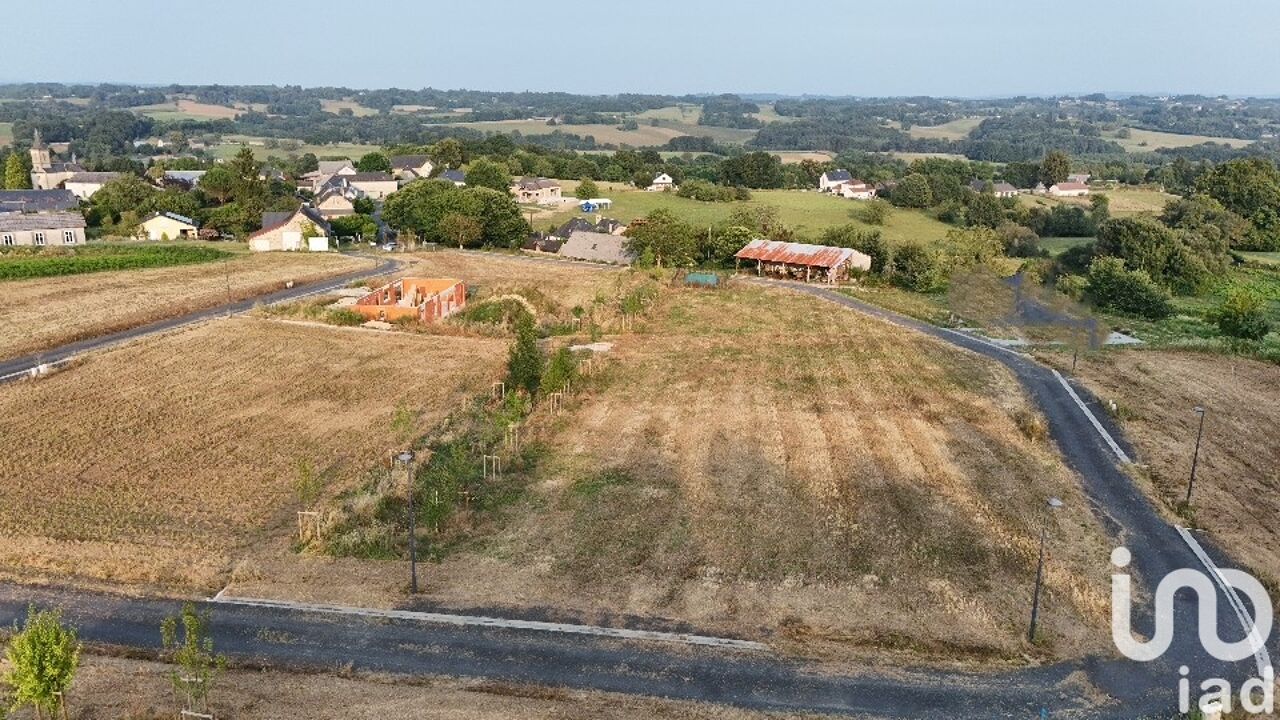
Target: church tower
[{"x": 40, "y": 155}]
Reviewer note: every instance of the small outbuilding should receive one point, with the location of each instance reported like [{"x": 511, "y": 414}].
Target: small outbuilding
[
  {"x": 168, "y": 226},
  {"x": 302, "y": 229},
  {"x": 801, "y": 261},
  {"x": 425, "y": 299}
]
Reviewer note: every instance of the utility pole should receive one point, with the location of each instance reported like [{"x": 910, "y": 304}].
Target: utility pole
[
  {"x": 1195, "y": 459},
  {"x": 406, "y": 459},
  {"x": 1054, "y": 504}
]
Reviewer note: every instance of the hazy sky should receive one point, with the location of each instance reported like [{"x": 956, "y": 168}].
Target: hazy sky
[{"x": 927, "y": 47}]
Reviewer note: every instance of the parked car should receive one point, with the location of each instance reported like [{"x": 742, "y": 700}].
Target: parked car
[{"x": 390, "y": 247}]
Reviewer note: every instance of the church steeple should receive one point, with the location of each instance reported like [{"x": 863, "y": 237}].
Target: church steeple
[{"x": 40, "y": 155}]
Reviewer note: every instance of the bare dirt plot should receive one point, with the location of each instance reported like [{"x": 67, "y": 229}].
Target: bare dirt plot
[
  {"x": 111, "y": 688},
  {"x": 1237, "y": 493},
  {"x": 762, "y": 463},
  {"x": 167, "y": 461},
  {"x": 47, "y": 312},
  {"x": 568, "y": 283}
]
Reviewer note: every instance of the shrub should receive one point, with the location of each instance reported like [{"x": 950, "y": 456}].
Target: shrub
[
  {"x": 344, "y": 317},
  {"x": 704, "y": 191},
  {"x": 1132, "y": 292},
  {"x": 524, "y": 365},
  {"x": 1019, "y": 240},
  {"x": 1073, "y": 286},
  {"x": 875, "y": 212},
  {"x": 562, "y": 368},
  {"x": 1243, "y": 315},
  {"x": 918, "y": 268},
  {"x": 43, "y": 657}
]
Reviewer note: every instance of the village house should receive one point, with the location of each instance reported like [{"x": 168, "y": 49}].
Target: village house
[
  {"x": 457, "y": 177},
  {"x": 185, "y": 178},
  {"x": 46, "y": 173},
  {"x": 596, "y": 247},
  {"x": 38, "y": 200},
  {"x": 426, "y": 299},
  {"x": 833, "y": 179},
  {"x": 41, "y": 229},
  {"x": 1000, "y": 189},
  {"x": 800, "y": 261},
  {"x": 337, "y": 201},
  {"x": 375, "y": 185},
  {"x": 302, "y": 229},
  {"x": 168, "y": 226},
  {"x": 661, "y": 182},
  {"x": 84, "y": 184},
  {"x": 1069, "y": 189},
  {"x": 411, "y": 167},
  {"x": 325, "y": 172},
  {"x": 856, "y": 190},
  {"x": 531, "y": 190},
  {"x": 1082, "y": 178}
]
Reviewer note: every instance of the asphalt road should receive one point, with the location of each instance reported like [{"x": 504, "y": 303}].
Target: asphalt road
[
  {"x": 14, "y": 369},
  {"x": 309, "y": 640}
]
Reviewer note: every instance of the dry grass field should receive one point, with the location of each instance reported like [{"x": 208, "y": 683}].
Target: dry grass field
[
  {"x": 1237, "y": 493},
  {"x": 954, "y": 130},
  {"x": 1149, "y": 140},
  {"x": 643, "y": 136},
  {"x": 762, "y": 463},
  {"x": 47, "y": 312},
  {"x": 1125, "y": 201},
  {"x": 183, "y": 109},
  {"x": 568, "y": 283},
  {"x": 166, "y": 461},
  {"x": 118, "y": 689},
  {"x": 358, "y": 110}
]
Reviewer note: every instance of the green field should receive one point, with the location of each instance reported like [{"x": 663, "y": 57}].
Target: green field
[
  {"x": 1266, "y": 258},
  {"x": 674, "y": 113},
  {"x": 1125, "y": 201},
  {"x": 1059, "y": 245},
  {"x": 954, "y": 130},
  {"x": 1148, "y": 140},
  {"x": 232, "y": 143},
  {"x": 647, "y": 135},
  {"x": 22, "y": 264},
  {"x": 6, "y": 133},
  {"x": 808, "y": 213}
]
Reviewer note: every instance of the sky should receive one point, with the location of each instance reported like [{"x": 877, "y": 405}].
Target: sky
[{"x": 974, "y": 48}]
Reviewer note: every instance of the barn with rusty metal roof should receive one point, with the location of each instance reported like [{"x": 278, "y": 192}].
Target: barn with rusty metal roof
[{"x": 801, "y": 261}]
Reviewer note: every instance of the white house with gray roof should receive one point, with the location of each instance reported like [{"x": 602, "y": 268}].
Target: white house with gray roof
[{"x": 42, "y": 229}]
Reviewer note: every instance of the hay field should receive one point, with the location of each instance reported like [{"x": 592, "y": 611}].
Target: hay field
[
  {"x": 763, "y": 463},
  {"x": 1125, "y": 201},
  {"x": 958, "y": 129},
  {"x": 168, "y": 461},
  {"x": 643, "y": 136},
  {"x": 358, "y": 110},
  {"x": 1237, "y": 493},
  {"x": 108, "y": 688},
  {"x": 183, "y": 109},
  {"x": 48, "y": 312}
]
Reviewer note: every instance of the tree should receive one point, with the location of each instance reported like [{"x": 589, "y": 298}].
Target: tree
[
  {"x": 1251, "y": 189},
  {"x": 44, "y": 656},
  {"x": 562, "y": 369},
  {"x": 913, "y": 191},
  {"x": 752, "y": 170},
  {"x": 446, "y": 154},
  {"x": 524, "y": 363},
  {"x": 1055, "y": 167},
  {"x": 460, "y": 229},
  {"x": 16, "y": 176},
  {"x": 1099, "y": 208},
  {"x": 219, "y": 183},
  {"x": 984, "y": 210},
  {"x": 126, "y": 193},
  {"x": 1243, "y": 315},
  {"x": 1133, "y": 292},
  {"x": 374, "y": 162},
  {"x": 868, "y": 242},
  {"x": 670, "y": 241},
  {"x": 586, "y": 189},
  {"x": 875, "y": 212},
  {"x": 719, "y": 245},
  {"x": 186, "y": 641},
  {"x": 501, "y": 221},
  {"x": 1183, "y": 260},
  {"x": 487, "y": 173},
  {"x": 1201, "y": 213}
]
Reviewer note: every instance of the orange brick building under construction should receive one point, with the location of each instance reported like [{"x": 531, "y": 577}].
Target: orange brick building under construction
[{"x": 427, "y": 299}]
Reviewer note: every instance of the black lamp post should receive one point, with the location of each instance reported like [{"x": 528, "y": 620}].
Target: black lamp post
[
  {"x": 1195, "y": 459},
  {"x": 1053, "y": 504},
  {"x": 406, "y": 459}
]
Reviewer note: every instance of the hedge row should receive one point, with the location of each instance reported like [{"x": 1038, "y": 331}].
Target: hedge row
[{"x": 101, "y": 258}]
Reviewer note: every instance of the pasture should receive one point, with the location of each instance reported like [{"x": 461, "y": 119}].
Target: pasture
[
  {"x": 1125, "y": 201},
  {"x": 809, "y": 213},
  {"x": 756, "y": 461},
  {"x": 232, "y": 143},
  {"x": 47, "y": 312},
  {"x": 1149, "y": 140},
  {"x": 169, "y": 460}
]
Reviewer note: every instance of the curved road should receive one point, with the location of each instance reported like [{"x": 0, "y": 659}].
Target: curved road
[
  {"x": 304, "y": 639},
  {"x": 18, "y": 367}
]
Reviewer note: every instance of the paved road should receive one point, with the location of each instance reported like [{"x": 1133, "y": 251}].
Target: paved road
[
  {"x": 310, "y": 640},
  {"x": 17, "y": 367}
]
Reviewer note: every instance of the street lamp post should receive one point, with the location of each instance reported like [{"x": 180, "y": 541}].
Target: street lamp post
[
  {"x": 1195, "y": 459},
  {"x": 1053, "y": 504},
  {"x": 406, "y": 459}
]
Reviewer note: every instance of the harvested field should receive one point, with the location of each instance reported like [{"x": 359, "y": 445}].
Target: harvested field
[
  {"x": 111, "y": 688},
  {"x": 183, "y": 109},
  {"x": 358, "y": 110},
  {"x": 1149, "y": 140},
  {"x": 568, "y": 283},
  {"x": 169, "y": 460},
  {"x": 47, "y": 312},
  {"x": 1237, "y": 492},
  {"x": 762, "y": 463}
]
